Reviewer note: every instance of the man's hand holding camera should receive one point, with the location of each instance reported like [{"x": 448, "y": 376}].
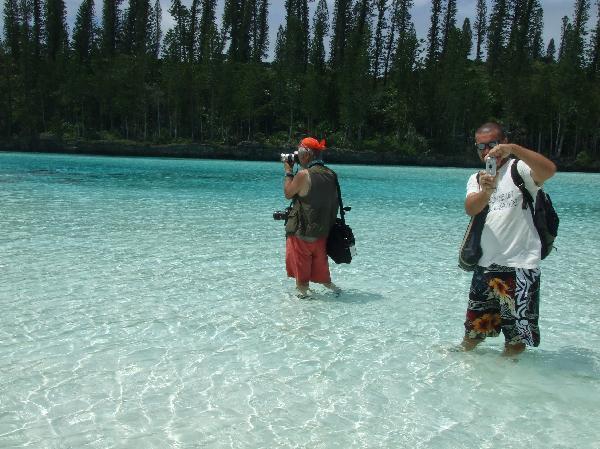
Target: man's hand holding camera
[
  {"x": 501, "y": 151},
  {"x": 487, "y": 182},
  {"x": 288, "y": 167}
]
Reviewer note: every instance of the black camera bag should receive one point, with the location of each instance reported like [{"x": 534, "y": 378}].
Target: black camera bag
[
  {"x": 544, "y": 215},
  {"x": 340, "y": 241},
  {"x": 470, "y": 249}
]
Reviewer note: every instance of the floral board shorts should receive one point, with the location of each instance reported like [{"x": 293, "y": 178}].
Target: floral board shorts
[{"x": 507, "y": 299}]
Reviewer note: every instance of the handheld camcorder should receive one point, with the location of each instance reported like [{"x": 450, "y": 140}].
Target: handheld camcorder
[
  {"x": 290, "y": 158},
  {"x": 282, "y": 214},
  {"x": 490, "y": 166}
]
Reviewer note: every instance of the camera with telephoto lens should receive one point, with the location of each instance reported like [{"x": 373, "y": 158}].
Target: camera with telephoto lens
[
  {"x": 290, "y": 158},
  {"x": 281, "y": 214}
]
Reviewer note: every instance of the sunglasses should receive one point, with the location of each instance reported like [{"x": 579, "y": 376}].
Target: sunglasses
[{"x": 483, "y": 146}]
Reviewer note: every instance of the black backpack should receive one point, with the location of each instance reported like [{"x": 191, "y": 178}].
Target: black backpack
[{"x": 544, "y": 216}]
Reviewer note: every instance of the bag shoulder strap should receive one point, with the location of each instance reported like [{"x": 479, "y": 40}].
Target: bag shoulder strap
[
  {"x": 339, "y": 192},
  {"x": 520, "y": 183}
]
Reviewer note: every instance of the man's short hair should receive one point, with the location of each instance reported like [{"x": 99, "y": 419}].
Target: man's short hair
[
  {"x": 312, "y": 153},
  {"x": 491, "y": 127}
]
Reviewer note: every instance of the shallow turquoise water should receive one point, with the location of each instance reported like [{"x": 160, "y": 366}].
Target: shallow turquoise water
[{"x": 144, "y": 304}]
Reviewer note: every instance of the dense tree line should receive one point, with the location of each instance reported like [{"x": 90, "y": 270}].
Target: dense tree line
[{"x": 357, "y": 75}]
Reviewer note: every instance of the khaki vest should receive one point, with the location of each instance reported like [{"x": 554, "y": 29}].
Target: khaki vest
[{"x": 313, "y": 216}]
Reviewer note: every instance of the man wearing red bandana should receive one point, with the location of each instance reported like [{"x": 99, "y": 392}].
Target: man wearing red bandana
[{"x": 314, "y": 210}]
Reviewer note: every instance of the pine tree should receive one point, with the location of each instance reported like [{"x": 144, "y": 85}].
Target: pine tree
[
  {"x": 321, "y": 28},
  {"x": 405, "y": 51},
  {"x": 208, "y": 31},
  {"x": 175, "y": 44},
  {"x": 192, "y": 31},
  {"x": 84, "y": 32},
  {"x": 233, "y": 15},
  {"x": 497, "y": 34},
  {"x": 397, "y": 41},
  {"x": 535, "y": 38},
  {"x": 467, "y": 38},
  {"x": 565, "y": 31},
  {"x": 594, "y": 66},
  {"x": 110, "y": 26},
  {"x": 522, "y": 28},
  {"x": 38, "y": 28},
  {"x": 341, "y": 19},
  {"x": 403, "y": 96},
  {"x": 155, "y": 33},
  {"x": 572, "y": 91},
  {"x": 354, "y": 101},
  {"x": 576, "y": 40},
  {"x": 296, "y": 28},
  {"x": 480, "y": 28},
  {"x": 433, "y": 35},
  {"x": 315, "y": 103},
  {"x": 550, "y": 51},
  {"x": 280, "y": 47},
  {"x": 56, "y": 29},
  {"x": 12, "y": 27},
  {"x": 449, "y": 24},
  {"x": 260, "y": 41},
  {"x": 378, "y": 42}
]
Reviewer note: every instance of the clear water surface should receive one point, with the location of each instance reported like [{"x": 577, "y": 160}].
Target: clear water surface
[{"x": 144, "y": 304}]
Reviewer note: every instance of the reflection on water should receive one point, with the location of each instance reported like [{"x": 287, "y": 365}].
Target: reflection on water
[{"x": 145, "y": 304}]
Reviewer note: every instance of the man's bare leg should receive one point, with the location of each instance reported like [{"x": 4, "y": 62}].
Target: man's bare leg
[
  {"x": 334, "y": 288},
  {"x": 302, "y": 288},
  {"x": 468, "y": 344},
  {"x": 513, "y": 350}
]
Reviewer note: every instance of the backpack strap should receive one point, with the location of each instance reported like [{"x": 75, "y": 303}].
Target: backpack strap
[
  {"x": 518, "y": 180},
  {"x": 339, "y": 192}
]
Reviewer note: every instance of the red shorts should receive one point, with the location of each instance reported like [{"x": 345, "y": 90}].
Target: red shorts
[{"x": 307, "y": 261}]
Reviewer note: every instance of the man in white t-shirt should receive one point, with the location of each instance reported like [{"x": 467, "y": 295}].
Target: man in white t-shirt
[{"x": 504, "y": 293}]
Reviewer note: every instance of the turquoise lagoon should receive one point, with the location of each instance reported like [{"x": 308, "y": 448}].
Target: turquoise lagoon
[{"x": 144, "y": 304}]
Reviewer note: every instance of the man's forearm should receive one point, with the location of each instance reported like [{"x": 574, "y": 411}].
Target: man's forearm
[
  {"x": 476, "y": 202},
  {"x": 542, "y": 168}
]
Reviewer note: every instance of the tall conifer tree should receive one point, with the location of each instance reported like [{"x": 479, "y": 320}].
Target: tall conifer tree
[
  {"x": 497, "y": 34},
  {"x": 12, "y": 27},
  {"x": 449, "y": 24},
  {"x": 110, "y": 26},
  {"x": 378, "y": 40},
  {"x": 208, "y": 31},
  {"x": 321, "y": 29},
  {"x": 341, "y": 19},
  {"x": 56, "y": 28},
  {"x": 260, "y": 35},
  {"x": 480, "y": 28},
  {"x": 594, "y": 67},
  {"x": 155, "y": 30},
  {"x": 84, "y": 31},
  {"x": 550, "y": 51},
  {"x": 535, "y": 38},
  {"x": 433, "y": 35}
]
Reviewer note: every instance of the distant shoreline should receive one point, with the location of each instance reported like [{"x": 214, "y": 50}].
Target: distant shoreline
[{"x": 248, "y": 151}]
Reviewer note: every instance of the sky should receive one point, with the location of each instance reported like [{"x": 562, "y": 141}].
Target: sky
[{"x": 554, "y": 10}]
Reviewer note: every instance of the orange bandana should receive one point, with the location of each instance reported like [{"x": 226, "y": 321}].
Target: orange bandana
[{"x": 313, "y": 144}]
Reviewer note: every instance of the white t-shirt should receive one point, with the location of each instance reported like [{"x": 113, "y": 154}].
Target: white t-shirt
[{"x": 509, "y": 236}]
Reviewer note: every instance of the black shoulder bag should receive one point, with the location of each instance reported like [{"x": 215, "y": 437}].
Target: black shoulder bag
[
  {"x": 340, "y": 241},
  {"x": 470, "y": 249},
  {"x": 545, "y": 218}
]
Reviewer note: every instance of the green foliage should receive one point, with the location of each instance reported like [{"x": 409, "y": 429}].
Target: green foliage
[{"x": 381, "y": 89}]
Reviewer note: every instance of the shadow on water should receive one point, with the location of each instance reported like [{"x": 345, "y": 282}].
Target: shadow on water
[
  {"x": 570, "y": 360},
  {"x": 580, "y": 362},
  {"x": 350, "y": 296}
]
